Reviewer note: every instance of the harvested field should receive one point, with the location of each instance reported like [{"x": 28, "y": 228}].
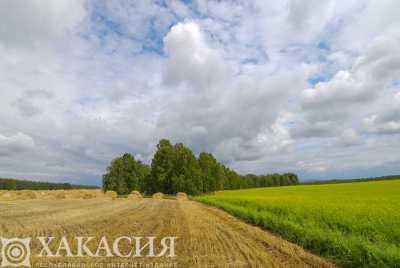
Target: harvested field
[
  {"x": 207, "y": 237},
  {"x": 51, "y": 194}
]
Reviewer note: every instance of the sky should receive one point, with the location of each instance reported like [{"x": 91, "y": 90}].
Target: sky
[{"x": 304, "y": 86}]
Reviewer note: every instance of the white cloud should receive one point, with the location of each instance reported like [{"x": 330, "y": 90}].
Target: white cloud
[
  {"x": 368, "y": 76},
  {"x": 29, "y": 23},
  {"x": 378, "y": 124},
  {"x": 190, "y": 58},
  {"x": 366, "y": 21},
  {"x": 317, "y": 166},
  {"x": 309, "y": 18}
]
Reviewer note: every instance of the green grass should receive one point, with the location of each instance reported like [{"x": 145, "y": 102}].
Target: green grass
[{"x": 353, "y": 224}]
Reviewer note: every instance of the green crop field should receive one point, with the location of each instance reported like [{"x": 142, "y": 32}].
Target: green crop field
[{"x": 353, "y": 224}]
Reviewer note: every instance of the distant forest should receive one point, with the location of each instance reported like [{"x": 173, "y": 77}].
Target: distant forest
[
  {"x": 382, "y": 178},
  {"x": 175, "y": 168},
  {"x": 14, "y": 184}
]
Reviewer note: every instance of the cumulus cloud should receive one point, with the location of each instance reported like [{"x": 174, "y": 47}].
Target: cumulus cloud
[
  {"x": 346, "y": 100},
  {"x": 190, "y": 58},
  {"x": 368, "y": 76}
]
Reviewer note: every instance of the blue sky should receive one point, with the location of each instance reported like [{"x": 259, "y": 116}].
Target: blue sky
[{"x": 310, "y": 87}]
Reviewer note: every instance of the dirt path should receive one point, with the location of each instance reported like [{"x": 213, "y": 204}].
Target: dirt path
[{"x": 207, "y": 237}]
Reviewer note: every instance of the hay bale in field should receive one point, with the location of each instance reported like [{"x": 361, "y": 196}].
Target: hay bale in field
[
  {"x": 88, "y": 196},
  {"x": 43, "y": 195},
  {"x": 18, "y": 195},
  {"x": 97, "y": 193},
  {"x": 28, "y": 195},
  {"x": 101, "y": 194},
  {"x": 135, "y": 195},
  {"x": 75, "y": 194},
  {"x": 7, "y": 195},
  {"x": 158, "y": 195},
  {"x": 79, "y": 194},
  {"x": 182, "y": 196},
  {"x": 111, "y": 194},
  {"x": 60, "y": 195}
]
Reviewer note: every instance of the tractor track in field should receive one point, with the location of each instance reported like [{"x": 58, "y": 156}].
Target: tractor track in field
[{"x": 207, "y": 237}]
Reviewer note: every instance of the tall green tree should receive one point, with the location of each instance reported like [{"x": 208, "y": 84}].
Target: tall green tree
[
  {"x": 211, "y": 172},
  {"x": 162, "y": 168},
  {"x": 125, "y": 174},
  {"x": 187, "y": 172}
]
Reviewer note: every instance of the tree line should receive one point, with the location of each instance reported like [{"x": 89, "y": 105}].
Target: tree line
[
  {"x": 14, "y": 184},
  {"x": 335, "y": 181},
  {"x": 175, "y": 168}
]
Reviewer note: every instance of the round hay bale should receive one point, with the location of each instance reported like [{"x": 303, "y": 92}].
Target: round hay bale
[
  {"x": 75, "y": 194},
  {"x": 28, "y": 195},
  {"x": 87, "y": 196},
  {"x": 182, "y": 196},
  {"x": 111, "y": 194},
  {"x": 7, "y": 195},
  {"x": 60, "y": 195},
  {"x": 47, "y": 195},
  {"x": 44, "y": 195},
  {"x": 158, "y": 195},
  {"x": 135, "y": 195},
  {"x": 97, "y": 193}
]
